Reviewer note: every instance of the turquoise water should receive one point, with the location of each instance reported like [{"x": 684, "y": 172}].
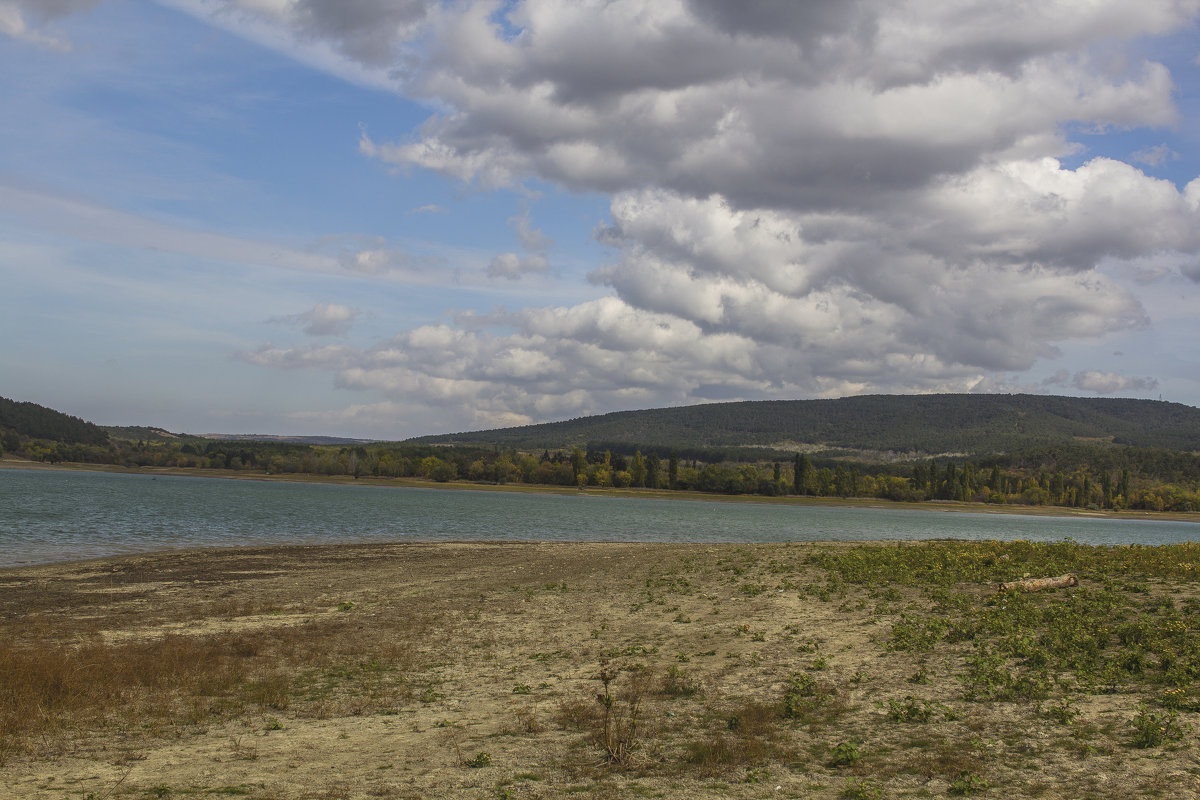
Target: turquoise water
[{"x": 48, "y": 516}]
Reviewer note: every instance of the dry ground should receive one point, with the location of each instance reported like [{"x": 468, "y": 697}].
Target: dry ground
[{"x": 477, "y": 671}]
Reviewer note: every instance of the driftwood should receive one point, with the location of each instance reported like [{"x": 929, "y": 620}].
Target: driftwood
[{"x": 1037, "y": 584}]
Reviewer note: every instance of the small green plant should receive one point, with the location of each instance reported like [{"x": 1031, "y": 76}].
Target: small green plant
[
  {"x": 856, "y": 789},
  {"x": 480, "y": 760},
  {"x": 819, "y": 663},
  {"x": 522, "y": 688},
  {"x": 755, "y": 775},
  {"x": 678, "y": 683},
  {"x": 1155, "y": 728},
  {"x": 910, "y": 709},
  {"x": 844, "y": 754},
  {"x": 1063, "y": 713},
  {"x": 345, "y": 605},
  {"x": 920, "y": 677},
  {"x": 800, "y": 689},
  {"x": 967, "y": 783}
]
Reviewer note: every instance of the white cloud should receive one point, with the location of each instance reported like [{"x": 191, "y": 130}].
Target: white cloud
[
  {"x": 1099, "y": 382},
  {"x": 326, "y": 319},
  {"x": 25, "y": 20},
  {"x": 513, "y": 266},
  {"x": 1154, "y": 156},
  {"x": 1110, "y": 382}
]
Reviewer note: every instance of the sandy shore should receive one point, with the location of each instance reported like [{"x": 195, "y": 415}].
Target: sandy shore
[{"x": 472, "y": 671}]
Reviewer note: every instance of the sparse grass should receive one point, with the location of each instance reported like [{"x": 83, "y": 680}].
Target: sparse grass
[{"x": 854, "y": 671}]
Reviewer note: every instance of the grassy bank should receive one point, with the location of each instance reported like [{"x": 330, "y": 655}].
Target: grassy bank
[{"x": 603, "y": 670}]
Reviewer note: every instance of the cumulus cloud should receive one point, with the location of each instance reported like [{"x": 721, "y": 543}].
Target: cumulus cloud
[
  {"x": 326, "y": 319},
  {"x": 535, "y": 243},
  {"x": 807, "y": 199}
]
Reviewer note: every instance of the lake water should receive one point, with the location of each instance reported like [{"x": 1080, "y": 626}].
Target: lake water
[{"x": 52, "y": 515}]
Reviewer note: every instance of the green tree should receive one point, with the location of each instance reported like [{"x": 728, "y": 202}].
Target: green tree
[
  {"x": 802, "y": 474},
  {"x": 652, "y": 469},
  {"x": 637, "y": 472}
]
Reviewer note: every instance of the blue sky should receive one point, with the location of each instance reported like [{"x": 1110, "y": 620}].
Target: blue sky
[{"x": 384, "y": 219}]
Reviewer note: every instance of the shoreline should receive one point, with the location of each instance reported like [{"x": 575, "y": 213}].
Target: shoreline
[{"x": 7, "y": 462}]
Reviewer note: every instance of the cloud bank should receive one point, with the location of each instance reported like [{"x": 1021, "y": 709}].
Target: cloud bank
[{"x": 807, "y": 199}]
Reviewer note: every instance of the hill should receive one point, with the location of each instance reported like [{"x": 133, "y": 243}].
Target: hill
[
  {"x": 907, "y": 425},
  {"x": 39, "y": 422}
]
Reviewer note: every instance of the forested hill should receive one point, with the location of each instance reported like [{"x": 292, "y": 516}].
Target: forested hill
[
  {"x": 39, "y": 422},
  {"x": 967, "y": 424}
]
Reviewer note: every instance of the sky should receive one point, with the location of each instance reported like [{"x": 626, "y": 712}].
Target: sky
[{"x": 389, "y": 218}]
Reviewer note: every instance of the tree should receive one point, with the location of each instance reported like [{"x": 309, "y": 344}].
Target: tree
[
  {"x": 637, "y": 473},
  {"x": 802, "y": 474},
  {"x": 652, "y": 467},
  {"x": 673, "y": 471}
]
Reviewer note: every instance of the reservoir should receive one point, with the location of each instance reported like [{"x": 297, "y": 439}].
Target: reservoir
[{"x": 63, "y": 515}]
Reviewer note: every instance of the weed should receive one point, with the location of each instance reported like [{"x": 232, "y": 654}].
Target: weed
[
  {"x": 1155, "y": 728},
  {"x": 910, "y": 710},
  {"x": 967, "y": 783},
  {"x": 620, "y": 716},
  {"x": 1063, "y": 712},
  {"x": 527, "y": 719},
  {"x": 480, "y": 760},
  {"x": 844, "y": 754},
  {"x": 755, "y": 775},
  {"x": 860, "y": 789},
  {"x": 918, "y": 634},
  {"x": 920, "y": 677},
  {"x": 678, "y": 683}
]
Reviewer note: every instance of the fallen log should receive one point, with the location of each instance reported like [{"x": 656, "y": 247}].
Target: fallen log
[{"x": 1037, "y": 584}]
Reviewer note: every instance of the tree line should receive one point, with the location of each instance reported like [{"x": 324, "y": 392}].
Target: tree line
[{"x": 1098, "y": 477}]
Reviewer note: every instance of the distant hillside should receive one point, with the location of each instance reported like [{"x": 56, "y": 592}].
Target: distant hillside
[
  {"x": 266, "y": 437},
  {"x": 39, "y": 422},
  {"x": 918, "y": 425},
  {"x": 136, "y": 433}
]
